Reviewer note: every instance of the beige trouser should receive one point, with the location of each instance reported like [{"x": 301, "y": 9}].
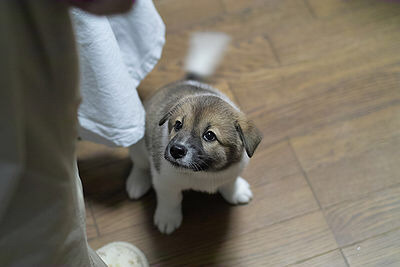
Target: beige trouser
[{"x": 42, "y": 220}]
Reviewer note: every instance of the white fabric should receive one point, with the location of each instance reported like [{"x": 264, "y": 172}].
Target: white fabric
[{"x": 116, "y": 53}]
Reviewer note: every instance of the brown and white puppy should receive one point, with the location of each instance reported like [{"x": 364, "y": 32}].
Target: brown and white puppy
[{"x": 195, "y": 138}]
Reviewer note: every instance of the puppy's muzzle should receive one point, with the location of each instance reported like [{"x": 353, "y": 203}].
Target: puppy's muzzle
[{"x": 178, "y": 151}]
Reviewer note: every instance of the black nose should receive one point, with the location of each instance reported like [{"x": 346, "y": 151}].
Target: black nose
[{"x": 178, "y": 151}]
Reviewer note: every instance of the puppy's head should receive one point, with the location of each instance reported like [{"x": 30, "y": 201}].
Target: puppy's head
[{"x": 207, "y": 134}]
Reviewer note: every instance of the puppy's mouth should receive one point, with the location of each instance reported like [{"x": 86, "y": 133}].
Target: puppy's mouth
[{"x": 181, "y": 163}]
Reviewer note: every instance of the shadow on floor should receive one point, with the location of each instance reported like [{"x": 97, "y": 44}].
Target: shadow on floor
[{"x": 205, "y": 217}]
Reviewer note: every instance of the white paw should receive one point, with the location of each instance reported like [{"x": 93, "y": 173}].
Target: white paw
[
  {"x": 138, "y": 183},
  {"x": 238, "y": 192},
  {"x": 167, "y": 221}
]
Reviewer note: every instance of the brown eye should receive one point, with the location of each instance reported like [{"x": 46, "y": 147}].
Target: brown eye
[
  {"x": 209, "y": 136},
  {"x": 177, "y": 126}
]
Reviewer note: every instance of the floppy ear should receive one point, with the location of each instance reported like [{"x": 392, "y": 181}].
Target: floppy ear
[
  {"x": 250, "y": 136},
  {"x": 168, "y": 115},
  {"x": 164, "y": 119}
]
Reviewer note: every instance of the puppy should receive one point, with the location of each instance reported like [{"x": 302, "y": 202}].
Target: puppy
[{"x": 195, "y": 138}]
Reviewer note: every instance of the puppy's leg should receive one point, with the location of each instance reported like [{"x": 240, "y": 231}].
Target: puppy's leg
[
  {"x": 168, "y": 216},
  {"x": 236, "y": 192},
  {"x": 139, "y": 180}
]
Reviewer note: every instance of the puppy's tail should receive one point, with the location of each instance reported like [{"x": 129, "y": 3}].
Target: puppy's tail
[{"x": 205, "y": 52}]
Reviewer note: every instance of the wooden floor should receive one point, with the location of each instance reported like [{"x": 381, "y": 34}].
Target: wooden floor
[{"x": 321, "y": 79}]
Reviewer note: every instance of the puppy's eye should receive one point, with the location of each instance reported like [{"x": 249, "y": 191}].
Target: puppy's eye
[
  {"x": 209, "y": 136},
  {"x": 178, "y": 125}
]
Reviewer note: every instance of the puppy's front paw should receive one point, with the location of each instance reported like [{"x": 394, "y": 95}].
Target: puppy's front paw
[
  {"x": 237, "y": 192},
  {"x": 167, "y": 220},
  {"x": 138, "y": 183}
]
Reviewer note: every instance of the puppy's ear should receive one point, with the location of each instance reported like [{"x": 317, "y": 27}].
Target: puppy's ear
[
  {"x": 249, "y": 134},
  {"x": 164, "y": 119},
  {"x": 168, "y": 114}
]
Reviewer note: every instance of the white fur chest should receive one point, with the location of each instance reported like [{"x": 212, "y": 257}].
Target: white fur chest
[{"x": 200, "y": 181}]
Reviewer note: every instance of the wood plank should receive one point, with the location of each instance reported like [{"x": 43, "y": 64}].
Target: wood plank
[
  {"x": 383, "y": 250},
  {"x": 270, "y": 205},
  {"x": 91, "y": 155},
  {"x": 115, "y": 212},
  {"x": 271, "y": 163},
  {"x": 248, "y": 55},
  {"x": 174, "y": 52},
  {"x": 349, "y": 159},
  {"x": 298, "y": 36},
  {"x": 367, "y": 30},
  {"x": 235, "y": 6},
  {"x": 181, "y": 14},
  {"x": 276, "y": 245},
  {"x": 345, "y": 47},
  {"x": 374, "y": 170},
  {"x": 342, "y": 100},
  {"x": 329, "y": 8},
  {"x": 274, "y": 88},
  {"x": 347, "y": 139},
  {"x": 102, "y": 169},
  {"x": 330, "y": 259},
  {"x": 258, "y": 20},
  {"x": 353, "y": 221},
  {"x": 158, "y": 78},
  {"x": 269, "y": 90},
  {"x": 105, "y": 180}
]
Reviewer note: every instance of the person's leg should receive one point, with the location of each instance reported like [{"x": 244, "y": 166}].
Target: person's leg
[{"x": 42, "y": 221}]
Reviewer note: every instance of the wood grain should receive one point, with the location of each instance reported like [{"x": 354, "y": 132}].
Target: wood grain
[
  {"x": 244, "y": 56},
  {"x": 267, "y": 17},
  {"x": 115, "y": 212},
  {"x": 91, "y": 156},
  {"x": 328, "y": 53},
  {"x": 235, "y": 6},
  {"x": 181, "y": 14},
  {"x": 276, "y": 245},
  {"x": 347, "y": 139},
  {"x": 330, "y": 259},
  {"x": 361, "y": 31},
  {"x": 349, "y": 159},
  {"x": 107, "y": 179},
  {"x": 355, "y": 221},
  {"x": 329, "y": 8},
  {"x": 271, "y": 163},
  {"x": 349, "y": 98},
  {"x": 379, "y": 251}
]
